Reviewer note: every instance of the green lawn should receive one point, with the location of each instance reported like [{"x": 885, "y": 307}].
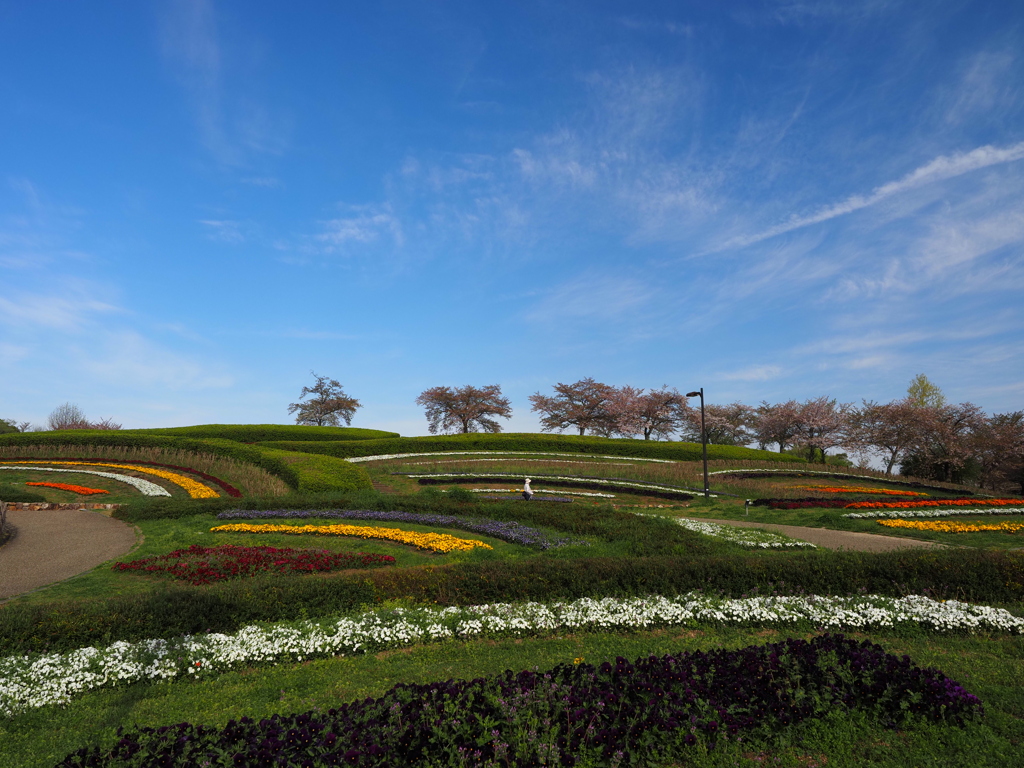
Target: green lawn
[{"x": 989, "y": 667}]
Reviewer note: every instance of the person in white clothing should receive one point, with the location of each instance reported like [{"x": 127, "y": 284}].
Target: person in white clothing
[{"x": 527, "y": 491}]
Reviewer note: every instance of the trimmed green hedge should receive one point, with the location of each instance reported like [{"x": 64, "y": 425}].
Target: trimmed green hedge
[
  {"x": 984, "y": 577},
  {"x": 989, "y": 576},
  {"x": 256, "y": 433},
  {"x": 227, "y": 448},
  {"x": 535, "y": 442},
  {"x": 317, "y": 473},
  {"x": 174, "y": 611},
  {"x": 305, "y": 472}
]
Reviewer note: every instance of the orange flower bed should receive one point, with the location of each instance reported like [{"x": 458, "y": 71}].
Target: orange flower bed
[
  {"x": 73, "y": 488},
  {"x": 857, "y": 489},
  {"x": 936, "y": 503}
]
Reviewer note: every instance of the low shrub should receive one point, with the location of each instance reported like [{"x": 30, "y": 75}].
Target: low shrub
[
  {"x": 968, "y": 575},
  {"x": 646, "y": 712},
  {"x": 255, "y": 433},
  {"x": 540, "y": 443},
  {"x": 317, "y": 473},
  {"x": 176, "y": 610},
  {"x": 67, "y": 439},
  {"x": 13, "y": 494}
]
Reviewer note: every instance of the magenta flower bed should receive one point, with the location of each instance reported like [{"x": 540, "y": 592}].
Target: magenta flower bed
[{"x": 205, "y": 565}]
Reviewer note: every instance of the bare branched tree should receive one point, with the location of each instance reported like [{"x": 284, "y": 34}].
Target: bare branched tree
[
  {"x": 464, "y": 409},
  {"x": 70, "y": 416},
  {"x": 328, "y": 405}
]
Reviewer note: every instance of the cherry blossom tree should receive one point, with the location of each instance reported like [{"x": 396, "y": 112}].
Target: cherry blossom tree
[
  {"x": 726, "y": 424},
  {"x": 328, "y": 405},
  {"x": 894, "y": 429},
  {"x": 464, "y": 409},
  {"x": 583, "y": 405},
  {"x": 999, "y": 449},
  {"x": 657, "y": 412},
  {"x": 779, "y": 423},
  {"x": 948, "y": 443},
  {"x": 823, "y": 424}
]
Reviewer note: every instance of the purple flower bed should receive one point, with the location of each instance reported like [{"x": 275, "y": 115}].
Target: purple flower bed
[
  {"x": 809, "y": 502},
  {"x": 653, "y": 709},
  {"x": 512, "y": 532}
]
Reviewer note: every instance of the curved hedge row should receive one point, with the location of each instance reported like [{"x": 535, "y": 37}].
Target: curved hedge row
[
  {"x": 256, "y": 433},
  {"x": 534, "y": 442},
  {"x": 302, "y": 471}
]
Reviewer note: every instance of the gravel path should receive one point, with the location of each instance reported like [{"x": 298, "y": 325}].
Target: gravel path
[
  {"x": 53, "y": 545},
  {"x": 829, "y": 539}
]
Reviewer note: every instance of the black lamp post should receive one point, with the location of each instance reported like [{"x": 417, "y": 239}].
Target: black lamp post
[{"x": 703, "y": 440}]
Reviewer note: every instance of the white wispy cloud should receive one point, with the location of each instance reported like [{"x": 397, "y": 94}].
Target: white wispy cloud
[
  {"x": 592, "y": 297},
  {"x": 232, "y": 122},
  {"x": 224, "y": 230},
  {"x": 363, "y": 224},
  {"x": 941, "y": 168},
  {"x": 753, "y": 373}
]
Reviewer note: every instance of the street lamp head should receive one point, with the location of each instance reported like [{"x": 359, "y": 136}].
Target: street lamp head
[{"x": 692, "y": 394}]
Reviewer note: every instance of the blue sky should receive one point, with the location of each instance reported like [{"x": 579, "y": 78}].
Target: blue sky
[{"x": 201, "y": 202}]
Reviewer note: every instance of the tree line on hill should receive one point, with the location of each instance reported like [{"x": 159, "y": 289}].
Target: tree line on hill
[{"x": 921, "y": 433}]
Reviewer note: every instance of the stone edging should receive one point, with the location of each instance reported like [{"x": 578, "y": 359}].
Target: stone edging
[{"x": 33, "y": 506}]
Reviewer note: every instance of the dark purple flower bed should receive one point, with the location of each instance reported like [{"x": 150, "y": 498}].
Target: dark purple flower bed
[
  {"x": 205, "y": 565},
  {"x": 653, "y": 709},
  {"x": 512, "y": 532}
]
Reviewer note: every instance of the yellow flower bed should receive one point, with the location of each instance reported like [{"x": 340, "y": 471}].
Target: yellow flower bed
[
  {"x": 438, "y": 542},
  {"x": 950, "y": 527},
  {"x": 195, "y": 489}
]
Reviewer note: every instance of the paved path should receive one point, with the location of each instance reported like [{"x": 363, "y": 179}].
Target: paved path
[
  {"x": 53, "y": 545},
  {"x": 829, "y": 539}
]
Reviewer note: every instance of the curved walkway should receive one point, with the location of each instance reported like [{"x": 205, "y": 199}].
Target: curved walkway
[
  {"x": 51, "y": 545},
  {"x": 829, "y": 539}
]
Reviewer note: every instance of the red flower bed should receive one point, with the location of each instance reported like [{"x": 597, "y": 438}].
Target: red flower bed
[
  {"x": 205, "y": 565},
  {"x": 73, "y": 488}
]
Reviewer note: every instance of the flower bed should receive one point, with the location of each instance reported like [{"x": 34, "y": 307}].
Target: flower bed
[
  {"x": 145, "y": 487},
  {"x": 934, "y": 503},
  {"x": 39, "y": 680},
  {"x": 765, "y": 473},
  {"x": 194, "y": 489},
  {"x": 436, "y": 542},
  {"x": 79, "y": 489},
  {"x": 857, "y": 489},
  {"x": 651, "y": 710},
  {"x": 228, "y": 488},
  {"x": 386, "y": 456},
  {"x": 954, "y": 527},
  {"x": 205, "y": 565},
  {"x": 747, "y": 537},
  {"x": 595, "y": 483},
  {"x": 519, "y": 491},
  {"x": 512, "y": 532},
  {"x": 903, "y": 514}
]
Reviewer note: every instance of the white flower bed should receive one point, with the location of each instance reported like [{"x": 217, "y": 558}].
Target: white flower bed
[
  {"x": 540, "y": 490},
  {"x": 28, "y": 682},
  {"x": 595, "y": 480},
  {"x": 144, "y": 486},
  {"x": 747, "y": 537},
  {"x": 384, "y": 456},
  {"x": 959, "y": 512}
]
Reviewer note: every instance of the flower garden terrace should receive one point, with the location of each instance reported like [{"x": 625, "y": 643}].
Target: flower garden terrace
[{"x": 253, "y": 654}]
